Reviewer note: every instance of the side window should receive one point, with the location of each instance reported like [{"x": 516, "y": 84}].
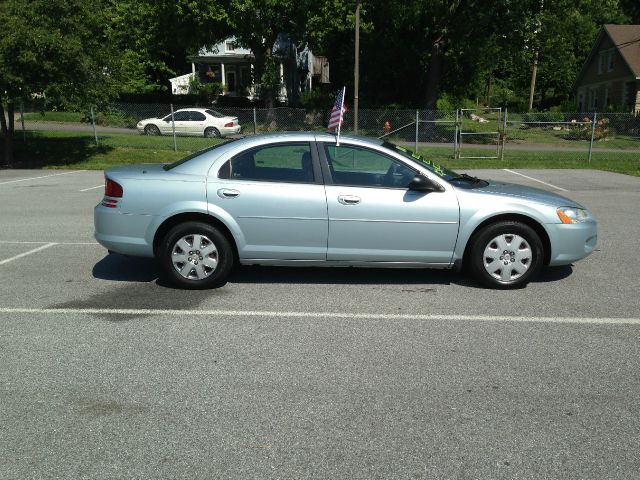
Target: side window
[
  {"x": 197, "y": 116},
  {"x": 180, "y": 116},
  {"x": 366, "y": 168},
  {"x": 274, "y": 163}
]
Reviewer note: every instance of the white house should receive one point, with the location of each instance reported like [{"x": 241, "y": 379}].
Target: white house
[{"x": 233, "y": 67}]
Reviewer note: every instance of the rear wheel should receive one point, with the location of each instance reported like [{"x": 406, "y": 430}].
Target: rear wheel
[
  {"x": 196, "y": 255},
  {"x": 212, "y": 132},
  {"x": 506, "y": 255},
  {"x": 151, "y": 130}
]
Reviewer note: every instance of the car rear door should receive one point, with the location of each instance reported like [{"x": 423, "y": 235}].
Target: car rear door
[
  {"x": 374, "y": 217},
  {"x": 276, "y": 196}
]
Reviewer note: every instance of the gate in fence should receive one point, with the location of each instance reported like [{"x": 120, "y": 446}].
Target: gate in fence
[{"x": 479, "y": 130}]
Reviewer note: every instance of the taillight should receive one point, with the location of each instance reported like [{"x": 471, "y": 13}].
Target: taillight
[
  {"x": 229, "y": 124},
  {"x": 112, "y": 189}
]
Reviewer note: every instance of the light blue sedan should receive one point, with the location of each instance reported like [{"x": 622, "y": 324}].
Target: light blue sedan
[{"x": 303, "y": 199}]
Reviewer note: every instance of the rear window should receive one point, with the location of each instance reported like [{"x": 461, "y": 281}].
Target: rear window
[
  {"x": 214, "y": 113},
  {"x": 196, "y": 154}
]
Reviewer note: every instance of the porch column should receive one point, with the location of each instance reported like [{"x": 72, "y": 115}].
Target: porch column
[{"x": 224, "y": 76}]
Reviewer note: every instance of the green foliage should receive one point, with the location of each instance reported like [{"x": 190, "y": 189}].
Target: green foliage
[
  {"x": 317, "y": 99},
  {"x": 207, "y": 92},
  {"x": 56, "y": 49}
]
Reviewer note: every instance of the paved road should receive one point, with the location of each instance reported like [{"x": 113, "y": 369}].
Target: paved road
[{"x": 106, "y": 372}]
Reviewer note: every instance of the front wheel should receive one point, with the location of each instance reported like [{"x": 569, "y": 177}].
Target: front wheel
[
  {"x": 196, "y": 255},
  {"x": 506, "y": 255},
  {"x": 151, "y": 130}
]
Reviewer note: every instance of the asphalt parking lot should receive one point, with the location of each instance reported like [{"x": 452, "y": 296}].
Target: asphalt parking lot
[{"x": 107, "y": 372}]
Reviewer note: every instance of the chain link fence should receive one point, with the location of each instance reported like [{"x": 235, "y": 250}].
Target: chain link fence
[{"x": 461, "y": 134}]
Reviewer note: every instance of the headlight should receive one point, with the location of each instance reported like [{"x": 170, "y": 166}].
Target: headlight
[{"x": 573, "y": 215}]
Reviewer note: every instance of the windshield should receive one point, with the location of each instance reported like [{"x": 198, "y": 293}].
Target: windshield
[
  {"x": 196, "y": 154},
  {"x": 439, "y": 170}
]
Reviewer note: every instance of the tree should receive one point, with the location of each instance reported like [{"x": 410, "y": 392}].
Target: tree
[
  {"x": 55, "y": 49},
  {"x": 154, "y": 37}
]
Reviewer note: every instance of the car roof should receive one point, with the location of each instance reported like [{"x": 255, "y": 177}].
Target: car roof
[
  {"x": 201, "y": 163},
  {"x": 197, "y": 109}
]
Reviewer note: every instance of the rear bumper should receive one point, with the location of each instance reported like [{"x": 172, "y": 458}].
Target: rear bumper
[
  {"x": 570, "y": 243},
  {"x": 230, "y": 130},
  {"x": 123, "y": 233}
]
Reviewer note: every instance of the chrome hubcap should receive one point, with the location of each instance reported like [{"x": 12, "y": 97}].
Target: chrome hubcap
[
  {"x": 194, "y": 256},
  {"x": 507, "y": 257}
]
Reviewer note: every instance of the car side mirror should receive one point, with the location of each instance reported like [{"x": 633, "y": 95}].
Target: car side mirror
[{"x": 420, "y": 183}]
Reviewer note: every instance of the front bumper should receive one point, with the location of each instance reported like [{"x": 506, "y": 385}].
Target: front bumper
[{"x": 572, "y": 242}]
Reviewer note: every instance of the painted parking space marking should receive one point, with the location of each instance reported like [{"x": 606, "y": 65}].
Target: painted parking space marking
[
  {"x": 324, "y": 315},
  {"x": 92, "y": 188},
  {"x": 34, "y": 250},
  {"x": 536, "y": 180},
  {"x": 36, "y": 178},
  {"x": 13, "y": 242}
]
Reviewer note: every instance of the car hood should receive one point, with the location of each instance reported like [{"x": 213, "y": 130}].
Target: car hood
[{"x": 531, "y": 194}]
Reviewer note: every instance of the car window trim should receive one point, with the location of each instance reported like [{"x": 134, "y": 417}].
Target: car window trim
[{"x": 318, "y": 177}]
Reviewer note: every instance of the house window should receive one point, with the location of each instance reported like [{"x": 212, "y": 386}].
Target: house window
[
  {"x": 610, "y": 60},
  {"x": 593, "y": 99},
  {"x": 229, "y": 46},
  {"x": 580, "y": 101},
  {"x": 605, "y": 103},
  {"x": 601, "y": 59}
]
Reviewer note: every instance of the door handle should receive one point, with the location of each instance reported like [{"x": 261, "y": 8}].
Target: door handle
[
  {"x": 348, "y": 199},
  {"x": 228, "y": 193}
]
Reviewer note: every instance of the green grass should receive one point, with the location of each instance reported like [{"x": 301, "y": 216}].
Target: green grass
[
  {"x": 620, "y": 162},
  {"x": 78, "y": 150}
]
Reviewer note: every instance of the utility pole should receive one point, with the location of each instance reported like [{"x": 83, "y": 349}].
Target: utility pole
[{"x": 356, "y": 71}]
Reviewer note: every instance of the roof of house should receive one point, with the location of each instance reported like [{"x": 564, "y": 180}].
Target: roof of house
[{"x": 626, "y": 38}]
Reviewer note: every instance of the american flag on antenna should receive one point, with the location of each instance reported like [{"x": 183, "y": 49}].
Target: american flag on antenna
[{"x": 337, "y": 112}]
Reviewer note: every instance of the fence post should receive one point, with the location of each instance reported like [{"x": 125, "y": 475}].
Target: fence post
[
  {"x": 93, "y": 122},
  {"x": 455, "y": 137},
  {"x": 417, "y": 124},
  {"x": 255, "y": 121},
  {"x": 504, "y": 135},
  {"x": 173, "y": 129},
  {"x": 24, "y": 134},
  {"x": 593, "y": 134}
]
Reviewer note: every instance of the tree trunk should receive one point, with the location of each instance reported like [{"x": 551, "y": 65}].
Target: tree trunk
[
  {"x": 7, "y": 125},
  {"x": 434, "y": 76}
]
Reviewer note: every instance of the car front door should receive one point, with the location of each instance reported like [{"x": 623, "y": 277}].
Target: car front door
[
  {"x": 275, "y": 195},
  {"x": 374, "y": 217}
]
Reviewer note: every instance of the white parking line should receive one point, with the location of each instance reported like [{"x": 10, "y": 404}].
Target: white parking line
[
  {"x": 323, "y": 315},
  {"x": 41, "y": 243},
  {"x": 92, "y": 188},
  {"x": 35, "y": 178},
  {"x": 536, "y": 180},
  {"x": 38, "y": 249}
]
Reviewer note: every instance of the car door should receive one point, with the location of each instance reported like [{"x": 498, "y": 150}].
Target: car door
[
  {"x": 276, "y": 196},
  {"x": 181, "y": 120},
  {"x": 374, "y": 217},
  {"x": 195, "y": 124}
]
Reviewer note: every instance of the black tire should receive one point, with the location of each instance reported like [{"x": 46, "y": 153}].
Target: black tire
[
  {"x": 184, "y": 258},
  {"x": 212, "y": 132},
  {"x": 151, "y": 130},
  {"x": 505, "y": 255}
]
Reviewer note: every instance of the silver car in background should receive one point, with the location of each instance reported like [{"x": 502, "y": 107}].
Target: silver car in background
[{"x": 305, "y": 199}]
